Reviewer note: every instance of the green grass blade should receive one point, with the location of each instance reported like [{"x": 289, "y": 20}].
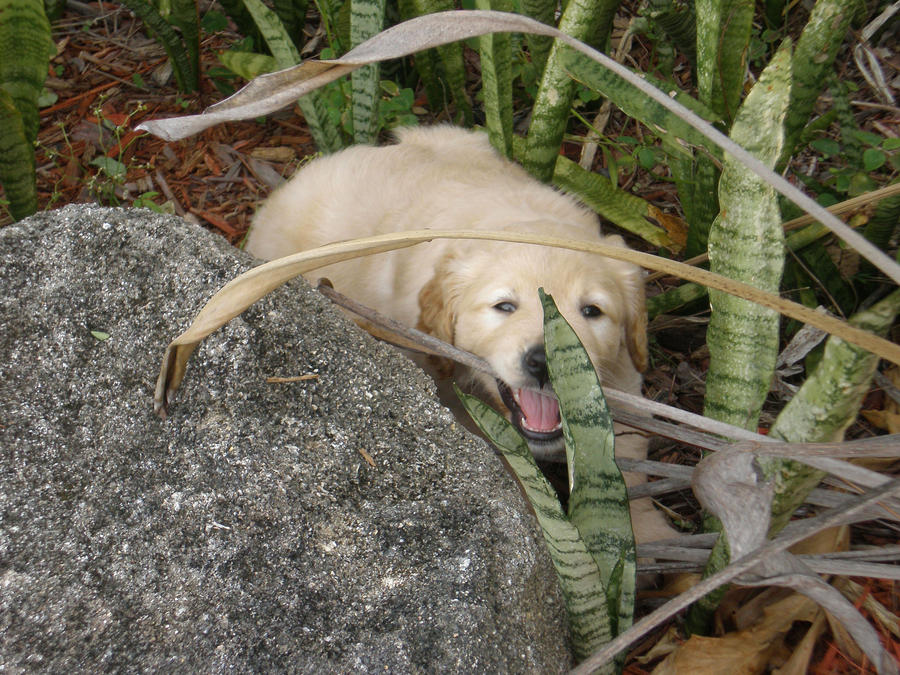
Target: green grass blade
[
  {"x": 583, "y": 20},
  {"x": 598, "y": 502},
  {"x": 723, "y": 42},
  {"x": 25, "y": 50},
  {"x": 622, "y": 208},
  {"x": 16, "y": 160},
  {"x": 326, "y": 134},
  {"x": 366, "y": 19},
  {"x": 579, "y": 578},
  {"x": 747, "y": 243},
  {"x": 496, "y": 77}
]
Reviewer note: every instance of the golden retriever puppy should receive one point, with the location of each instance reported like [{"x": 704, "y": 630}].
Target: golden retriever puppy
[{"x": 480, "y": 296}]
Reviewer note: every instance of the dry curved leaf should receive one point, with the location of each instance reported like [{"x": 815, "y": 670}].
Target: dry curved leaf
[{"x": 242, "y": 291}]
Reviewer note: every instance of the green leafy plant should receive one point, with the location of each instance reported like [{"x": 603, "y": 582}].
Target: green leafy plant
[{"x": 592, "y": 545}]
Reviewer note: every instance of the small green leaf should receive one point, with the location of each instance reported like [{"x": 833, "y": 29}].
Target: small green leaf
[
  {"x": 100, "y": 335},
  {"x": 646, "y": 157},
  {"x": 867, "y": 137},
  {"x": 891, "y": 143},
  {"x": 46, "y": 98},
  {"x": 213, "y": 22},
  {"x": 826, "y": 146},
  {"x": 873, "y": 159},
  {"x": 111, "y": 167}
]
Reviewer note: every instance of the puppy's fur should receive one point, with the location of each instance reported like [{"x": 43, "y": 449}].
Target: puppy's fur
[{"x": 480, "y": 296}]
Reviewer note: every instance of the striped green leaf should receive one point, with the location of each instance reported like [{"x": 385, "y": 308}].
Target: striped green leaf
[
  {"x": 25, "y": 50},
  {"x": 746, "y": 243},
  {"x": 823, "y": 408},
  {"x": 495, "y": 50},
  {"x": 622, "y": 208},
  {"x": 449, "y": 56},
  {"x": 579, "y": 577},
  {"x": 678, "y": 21},
  {"x": 326, "y": 135},
  {"x": 539, "y": 45},
  {"x": 723, "y": 42},
  {"x": 247, "y": 64},
  {"x": 817, "y": 47},
  {"x": 293, "y": 16},
  {"x": 366, "y": 19},
  {"x": 598, "y": 502},
  {"x": 186, "y": 75},
  {"x": 636, "y": 104},
  {"x": 16, "y": 160},
  {"x": 585, "y": 20},
  {"x": 184, "y": 16}
]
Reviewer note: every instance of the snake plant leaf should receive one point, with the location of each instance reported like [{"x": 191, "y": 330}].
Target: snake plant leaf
[
  {"x": 496, "y": 78},
  {"x": 634, "y": 103},
  {"x": 25, "y": 51},
  {"x": 584, "y": 21},
  {"x": 539, "y": 45},
  {"x": 182, "y": 66},
  {"x": 366, "y": 19},
  {"x": 626, "y": 210},
  {"x": 445, "y": 55},
  {"x": 746, "y": 243},
  {"x": 183, "y": 14},
  {"x": 678, "y": 20},
  {"x": 576, "y": 569},
  {"x": 723, "y": 43},
  {"x": 824, "y": 406},
  {"x": 598, "y": 502},
  {"x": 326, "y": 135},
  {"x": 248, "y": 64},
  {"x": 817, "y": 47},
  {"x": 16, "y": 160}
]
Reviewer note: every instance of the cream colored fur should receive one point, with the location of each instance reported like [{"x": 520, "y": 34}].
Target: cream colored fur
[{"x": 462, "y": 291}]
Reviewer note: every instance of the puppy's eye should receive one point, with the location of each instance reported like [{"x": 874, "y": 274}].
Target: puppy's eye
[
  {"x": 591, "y": 311},
  {"x": 506, "y": 307}
]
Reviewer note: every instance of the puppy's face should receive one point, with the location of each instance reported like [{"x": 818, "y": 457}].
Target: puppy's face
[{"x": 485, "y": 300}]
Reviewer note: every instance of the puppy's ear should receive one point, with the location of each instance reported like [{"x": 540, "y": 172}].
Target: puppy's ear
[
  {"x": 636, "y": 329},
  {"x": 632, "y": 281},
  {"x": 437, "y": 316}
]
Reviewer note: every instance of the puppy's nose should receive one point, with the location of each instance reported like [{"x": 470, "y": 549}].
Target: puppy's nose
[{"x": 535, "y": 362}]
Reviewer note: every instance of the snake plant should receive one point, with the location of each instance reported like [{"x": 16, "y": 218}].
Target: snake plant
[{"x": 25, "y": 51}]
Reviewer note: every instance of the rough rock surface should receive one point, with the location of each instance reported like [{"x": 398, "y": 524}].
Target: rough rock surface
[{"x": 247, "y": 532}]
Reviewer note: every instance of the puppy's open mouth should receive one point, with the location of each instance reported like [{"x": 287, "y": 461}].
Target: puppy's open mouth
[{"x": 534, "y": 414}]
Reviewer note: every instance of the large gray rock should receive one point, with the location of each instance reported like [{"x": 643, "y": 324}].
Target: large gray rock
[{"x": 247, "y": 532}]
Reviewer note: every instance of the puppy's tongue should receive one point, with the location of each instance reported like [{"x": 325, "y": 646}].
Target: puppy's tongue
[{"x": 541, "y": 413}]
